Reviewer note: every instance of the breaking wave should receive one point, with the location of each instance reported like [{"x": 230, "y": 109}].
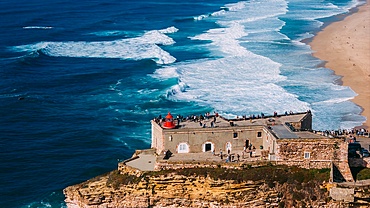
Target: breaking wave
[
  {"x": 138, "y": 48},
  {"x": 38, "y": 27}
]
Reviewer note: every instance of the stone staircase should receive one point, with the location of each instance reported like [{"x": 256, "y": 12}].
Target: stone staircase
[
  {"x": 345, "y": 170},
  {"x": 341, "y": 170}
]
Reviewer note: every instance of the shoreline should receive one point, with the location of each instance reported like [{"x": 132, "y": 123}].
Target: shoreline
[{"x": 344, "y": 45}]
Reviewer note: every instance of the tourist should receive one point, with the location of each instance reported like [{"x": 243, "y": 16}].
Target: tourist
[{"x": 178, "y": 120}]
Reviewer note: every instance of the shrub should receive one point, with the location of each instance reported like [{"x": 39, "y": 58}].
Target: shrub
[{"x": 363, "y": 174}]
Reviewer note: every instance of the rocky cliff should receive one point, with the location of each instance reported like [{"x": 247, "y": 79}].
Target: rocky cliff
[{"x": 270, "y": 186}]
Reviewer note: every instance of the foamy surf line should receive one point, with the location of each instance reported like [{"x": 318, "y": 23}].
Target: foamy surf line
[{"x": 138, "y": 48}]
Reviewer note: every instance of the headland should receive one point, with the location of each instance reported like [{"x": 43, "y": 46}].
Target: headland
[
  {"x": 211, "y": 161},
  {"x": 345, "y": 46}
]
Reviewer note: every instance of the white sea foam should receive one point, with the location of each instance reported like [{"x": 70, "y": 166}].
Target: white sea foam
[
  {"x": 218, "y": 13},
  {"x": 144, "y": 47},
  {"x": 38, "y": 27},
  {"x": 304, "y": 36},
  {"x": 226, "y": 39},
  {"x": 235, "y": 85},
  {"x": 354, "y": 3},
  {"x": 332, "y": 6},
  {"x": 223, "y": 10},
  {"x": 200, "y": 17},
  {"x": 169, "y": 30},
  {"x": 166, "y": 73},
  {"x": 236, "y": 6},
  {"x": 336, "y": 100}
]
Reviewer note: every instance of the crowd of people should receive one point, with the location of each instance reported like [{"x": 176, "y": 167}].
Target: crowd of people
[
  {"x": 194, "y": 118},
  {"x": 236, "y": 157},
  {"x": 199, "y": 118},
  {"x": 351, "y": 133}
]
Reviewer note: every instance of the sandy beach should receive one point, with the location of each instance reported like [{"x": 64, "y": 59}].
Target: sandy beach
[{"x": 345, "y": 45}]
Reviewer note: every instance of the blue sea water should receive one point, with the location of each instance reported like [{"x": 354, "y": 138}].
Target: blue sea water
[{"x": 80, "y": 80}]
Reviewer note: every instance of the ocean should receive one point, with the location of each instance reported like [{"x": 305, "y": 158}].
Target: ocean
[{"x": 81, "y": 80}]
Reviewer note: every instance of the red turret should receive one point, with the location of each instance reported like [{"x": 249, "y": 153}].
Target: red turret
[{"x": 169, "y": 123}]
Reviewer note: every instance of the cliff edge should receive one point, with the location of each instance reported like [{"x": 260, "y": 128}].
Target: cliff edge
[{"x": 268, "y": 186}]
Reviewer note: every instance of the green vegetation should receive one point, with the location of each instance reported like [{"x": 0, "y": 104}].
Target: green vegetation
[
  {"x": 97, "y": 178},
  {"x": 269, "y": 174},
  {"x": 364, "y": 174},
  {"x": 115, "y": 179}
]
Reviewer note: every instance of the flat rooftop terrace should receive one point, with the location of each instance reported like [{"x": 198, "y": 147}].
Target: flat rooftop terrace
[
  {"x": 283, "y": 132},
  {"x": 221, "y": 122},
  {"x": 275, "y": 124}
]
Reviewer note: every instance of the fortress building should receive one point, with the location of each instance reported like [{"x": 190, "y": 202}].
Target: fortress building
[
  {"x": 214, "y": 142},
  {"x": 283, "y": 139}
]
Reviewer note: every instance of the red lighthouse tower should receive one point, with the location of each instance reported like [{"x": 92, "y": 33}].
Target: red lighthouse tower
[{"x": 168, "y": 122}]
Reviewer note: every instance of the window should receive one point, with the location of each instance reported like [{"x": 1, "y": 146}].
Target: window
[
  {"x": 235, "y": 135},
  {"x": 208, "y": 146},
  {"x": 228, "y": 147},
  {"x": 183, "y": 148},
  {"x": 307, "y": 155},
  {"x": 259, "y": 134}
]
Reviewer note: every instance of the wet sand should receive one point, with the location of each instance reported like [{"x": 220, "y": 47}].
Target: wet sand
[{"x": 345, "y": 46}]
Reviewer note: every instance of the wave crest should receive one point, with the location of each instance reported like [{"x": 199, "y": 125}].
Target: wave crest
[
  {"x": 38, "y": 27},
  {"x": 138, "y": 48}
]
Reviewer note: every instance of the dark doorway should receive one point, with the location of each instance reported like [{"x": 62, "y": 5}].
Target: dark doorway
[
  {"x": 246, "y": 144},
  {"x": 208, "y": 147}
]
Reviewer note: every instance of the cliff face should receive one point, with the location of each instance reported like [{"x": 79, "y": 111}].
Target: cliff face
[{"x": 206, "y": 187}]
